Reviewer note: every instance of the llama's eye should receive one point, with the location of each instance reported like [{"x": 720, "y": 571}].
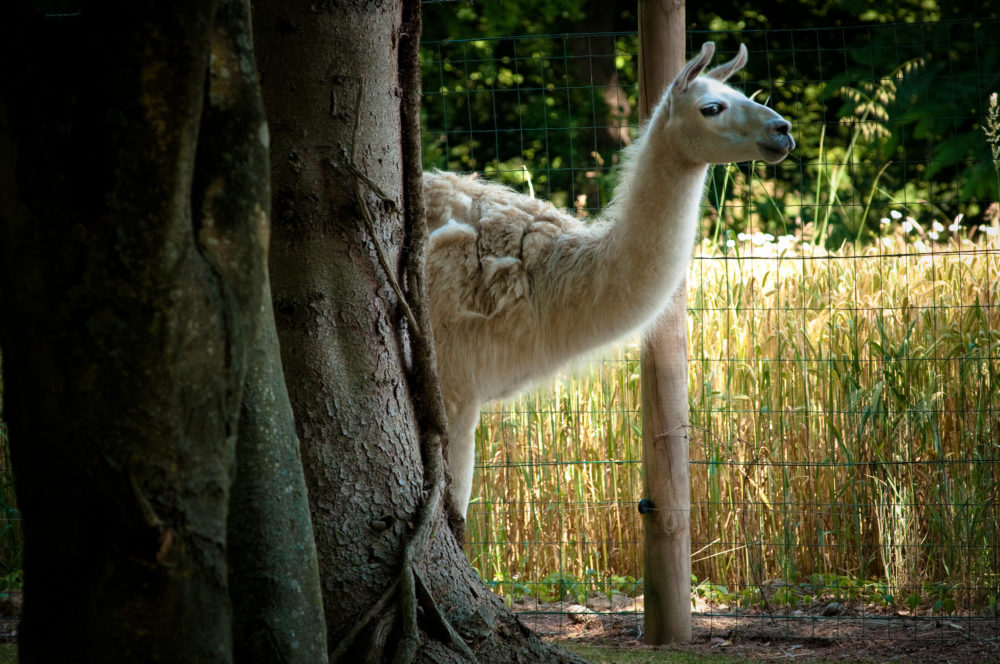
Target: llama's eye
[{"x": 709, "y": 110}]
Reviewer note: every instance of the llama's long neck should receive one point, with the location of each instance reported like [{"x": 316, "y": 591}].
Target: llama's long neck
[
  {"x": 654, "y": 220},
  {"x": 640, "y": 252}
]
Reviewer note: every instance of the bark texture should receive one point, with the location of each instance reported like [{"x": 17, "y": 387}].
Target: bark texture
[
  {"x": 352, "y": 330},
  {"x": 324, "y": 73},
  {"x": 133, "y": 239},
  {"x": 273, "y": 574}
]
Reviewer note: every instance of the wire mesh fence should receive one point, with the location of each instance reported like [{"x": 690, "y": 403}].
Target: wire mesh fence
[
  {"x": 843, "y": 331},
  {"x": 844, "y": 339}
]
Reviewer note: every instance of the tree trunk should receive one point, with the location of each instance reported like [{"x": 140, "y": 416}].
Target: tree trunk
[
  {"x": 273, "y": 573},
  {"x": 133, "y": 240},
  {"x": 337, "y": 78},
  {"x": 594, "y": 60}
]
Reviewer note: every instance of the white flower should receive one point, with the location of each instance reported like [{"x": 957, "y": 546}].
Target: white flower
[
  {"x": 933, "y": 234},
  {"x": 937, "y": 227},
  {"x": 989, "y": 230},
  {"x": 920, "y": 246},
  {"x": 957, "y": 224},
  {"x": 896, "y": 214},
  {"x": 884, "y": 221},
  {"x": 742, "y": 237},
  {"x": 888, "y": 242},
  {"x": 760, "y": 239},
  {"x": 910, "y": 225},
  {"x": 730, "y": 243}
]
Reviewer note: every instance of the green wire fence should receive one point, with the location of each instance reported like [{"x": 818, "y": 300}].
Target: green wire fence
[{"x": 844, "y": 334}]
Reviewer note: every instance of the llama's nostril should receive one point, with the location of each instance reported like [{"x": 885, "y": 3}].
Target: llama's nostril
[{"x": 780, "y": 127}]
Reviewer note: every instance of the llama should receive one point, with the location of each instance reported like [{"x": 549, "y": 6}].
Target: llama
[{"x": 517, "y": 287}]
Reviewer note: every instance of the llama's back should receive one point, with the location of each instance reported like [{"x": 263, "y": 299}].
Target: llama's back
[
  {"x": 466, "y": 199},
  {"x": 488, "y": 246}
]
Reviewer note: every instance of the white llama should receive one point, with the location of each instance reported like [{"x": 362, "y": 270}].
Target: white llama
[{"x": 517, "y": 287}]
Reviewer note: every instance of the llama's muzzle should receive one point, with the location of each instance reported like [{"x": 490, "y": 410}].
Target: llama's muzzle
[{"x": 779, "y": 141}]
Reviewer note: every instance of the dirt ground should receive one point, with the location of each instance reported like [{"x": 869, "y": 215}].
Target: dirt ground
[
  {"x": 10, "y": 613},
  {"x": 849, "y": 633}
]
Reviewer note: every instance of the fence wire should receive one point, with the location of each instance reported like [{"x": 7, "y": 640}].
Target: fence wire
[{"x": 844, "y": 337}]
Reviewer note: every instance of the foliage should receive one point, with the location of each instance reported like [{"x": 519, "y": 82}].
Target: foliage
[
  {"x": 712, "y": 593},
  {"x": 561, "y": 586},
  {"x": 515, "y": 110},
  {"x": 992, "y": 129},
  {"x": 842, "y": 395},
  {"x": 886, "y": 114},
  {"x": 934, "y": 597}
]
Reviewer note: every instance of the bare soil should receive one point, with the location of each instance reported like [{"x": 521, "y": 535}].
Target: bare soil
[{"x": 846, "y": 633}]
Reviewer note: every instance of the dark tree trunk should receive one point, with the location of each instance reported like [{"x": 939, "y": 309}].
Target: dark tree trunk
[
  {"x": 337, "y": 78},
  {"x": 273, "y": 574},
  {"x": 594, "y": 60},
  {"x": 133, "y": 244}
]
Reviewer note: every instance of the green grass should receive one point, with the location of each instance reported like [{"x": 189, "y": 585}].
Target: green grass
[
  {"x": 647, "y": 655},
  {"x": 609, "y": 655}
]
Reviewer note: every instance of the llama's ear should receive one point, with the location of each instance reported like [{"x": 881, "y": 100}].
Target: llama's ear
[
  {"x": 723, "y": 72},
  {"x": 695, "y": 67}
]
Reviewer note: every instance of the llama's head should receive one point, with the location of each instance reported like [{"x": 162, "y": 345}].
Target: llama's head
[{"x": 711, "y": 123}]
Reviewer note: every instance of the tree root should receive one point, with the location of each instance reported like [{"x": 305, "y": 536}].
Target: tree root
[
  {"x": 375, "y": 610},
  {"x": 438, "y": 618}
]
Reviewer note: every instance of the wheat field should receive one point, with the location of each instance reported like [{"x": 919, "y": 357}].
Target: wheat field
[{"x": 843, "y": 410}]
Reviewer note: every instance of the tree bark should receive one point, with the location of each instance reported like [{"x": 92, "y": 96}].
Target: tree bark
[
  {"x": 594, "y": 60},
  {"x": 273, "y": 573},
  {"x": 133, "y": 239},
  {"x": 353, "y": 336}
]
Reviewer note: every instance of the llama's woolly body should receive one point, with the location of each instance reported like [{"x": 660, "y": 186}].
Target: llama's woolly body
[
  {"x": 529, "y": 286},
  {"x": 518, "y": 287}
]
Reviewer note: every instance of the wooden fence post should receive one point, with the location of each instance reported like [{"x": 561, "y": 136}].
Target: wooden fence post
[{"x": 666, "y": 478}]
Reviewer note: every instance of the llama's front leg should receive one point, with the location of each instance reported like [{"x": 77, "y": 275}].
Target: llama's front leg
[{"x": 462, "y": 421}]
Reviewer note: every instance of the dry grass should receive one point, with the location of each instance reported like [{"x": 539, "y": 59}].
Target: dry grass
[{"x": 842, "y": 415}]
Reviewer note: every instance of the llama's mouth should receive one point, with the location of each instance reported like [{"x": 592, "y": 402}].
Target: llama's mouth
[
  {"x": 772, "y": 154},
  {"x": 776, "y": 149}
]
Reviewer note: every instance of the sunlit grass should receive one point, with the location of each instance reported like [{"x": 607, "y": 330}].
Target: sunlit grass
[{"x": 843, "y": 410}]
